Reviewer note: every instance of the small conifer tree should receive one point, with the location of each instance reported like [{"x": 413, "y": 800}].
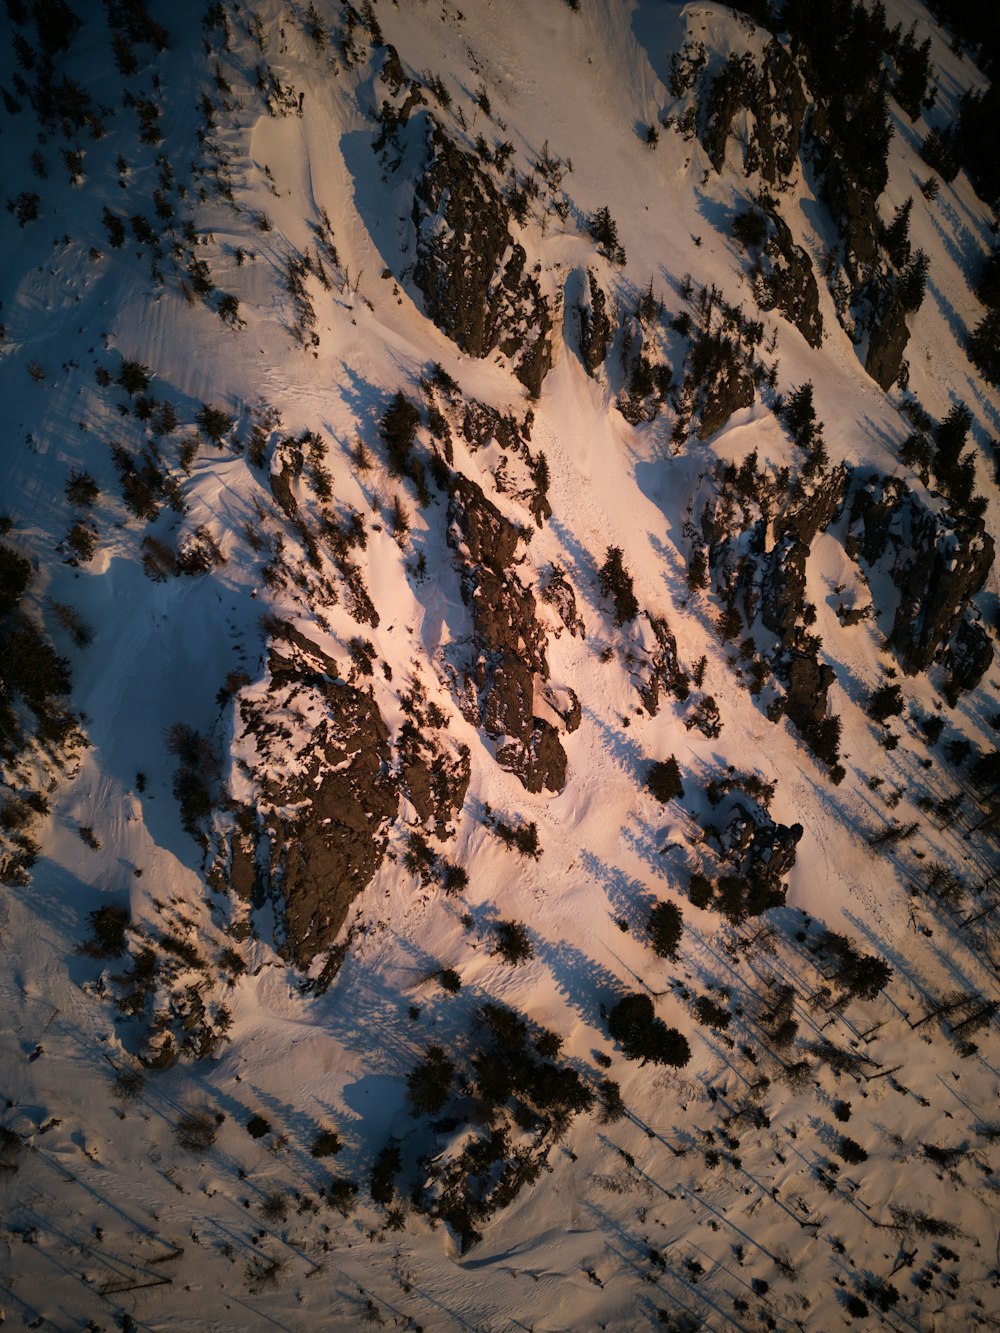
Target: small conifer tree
[
  {"x": 664, "y": 780},
  {"x": 616, "y": 583}
]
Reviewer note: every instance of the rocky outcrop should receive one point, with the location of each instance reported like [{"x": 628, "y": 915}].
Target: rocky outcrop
[
  {"x": 779, "y": 108},
  {"x": 936, "y": 560},
  {"x": 434, "y": 773},
  {"x": 508, "y": 640},
  {"x": 749, "y": 840},
  {"x": 482, "y": 423},
  {"x": 595, "y": 326},
  {"x": 807, "y": 686},
  {"x": 657, "y": 667},
  {"x": 325, "y": 794},
  {"x": 565, "y": 703},
  {"x": 810, "y": 512},
  {"x": 970, "y": 653},
  {"x": 775, "y": 97},
  {"x": 854, "y": 206},
  {"x": 786, "y": 281},
  {"x": 887, "y": 341},
  {"x": 731, "y": 90},
  {"x": 757, "y": 853},
  {"x": 721, "y": 380},
  {"x": 783, "y": 587},
  {"x": 558, "y": 592},
  {"x": 470, "y": 271}
]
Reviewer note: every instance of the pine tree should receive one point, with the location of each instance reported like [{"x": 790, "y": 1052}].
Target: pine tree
[
  {"x": 950, "y": 440},
  {"x": 399, "y": 428},
  {"x": 988, "y": 286},
  {"x": 897, "y": 235},
  {"x": 604, "y": 231},
  {"x": 428, "y": 1084},
  {"x": 913, "y": 282},
  {"x": 643, "y": 1036},
  {"x": 513, "y": 943},
  {"x": 885, "y": 702},
  {"x": 914, "y": 66},
  {"x": 984, "y": 347},
  {"x": 666, "y": 925},
  {"x": 616, "y": 583},
  {"x": 800, "y": 416},
  {"x": 664, "y": 780}
]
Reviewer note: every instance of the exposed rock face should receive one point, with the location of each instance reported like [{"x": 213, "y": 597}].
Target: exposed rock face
[
  {"x": 751, "y": 840},
  {"x": 809, "y": 514},
  {"x": 777, "y": 100},
  {"x": 758, "y": 851},
  {"x": 565, "y": 703},
  {"x": 788, "y": 283},
  {"x": 723, "y": 384},
  {"x": 595, "y": 327},
  {"x": 936, "y": 561},
  {"x": 779, "y": 108},
  {"x": 509, "y": 642},
  {"x": 887, "y": 341},
  {"x": 435, "y": 775},
  {"x": 558, "y": 592},
  {"x": 783, "y": 587},
  {"x": 807, "y": 685},
  {"x": 732, "y": 89},
  {"x": 970, "y": 653},
  {"x": 855, "y": 206},
  {"x": 482, "y": 423},
  {"x": 770, "y": 580},
  {"x": 326, "y": 796},
  {"x": 469, "y": 269},
  {"x": 658, "y": 668},
  {"x": 783, "y": 582}
]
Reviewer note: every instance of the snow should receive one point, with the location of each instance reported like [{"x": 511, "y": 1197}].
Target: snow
[{"x": 102, "y": 1196}]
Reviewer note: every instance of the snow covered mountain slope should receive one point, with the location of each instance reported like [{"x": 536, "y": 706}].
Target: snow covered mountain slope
[{"x": 498, "y": 699}]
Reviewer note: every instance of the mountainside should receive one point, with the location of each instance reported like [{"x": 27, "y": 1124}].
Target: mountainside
[{"x": 498, "y": 690}]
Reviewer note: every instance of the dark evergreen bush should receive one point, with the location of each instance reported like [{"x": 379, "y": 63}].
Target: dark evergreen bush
[
  {"x": 701, "y": 891},
  {"x": 913, "y": 63},
  {"x": 387, "y": 1166},
  {"x": 15, "y": 571},
  {"x": 861, "y": 975},
  {"x": 133, "y": 376},
  {"x": 398, "y": 429},
  {"x": 604, "y": 231},
  {"x": 988, "y": 285},
  {"x": 643, "y": 1036},
  {"x": 513, "y": 943},
  {"x": 616, "y": 583},
  {"x": 666, "y": 925},
  {"x": 897, "y": 235},
  {"x": 711, "y": 1014},
  {"x": 664, "y": 780},
  {"x": 984, "y": 347},
  {"x": 885, "y": 701},
  {"x": 213, "y": 423},
  {"x": 428, "y": 1084},
  {"x": 851, "y": 1151},
  {"x": 108, "y": 938},
  {"x": 750, "y": 228}
]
